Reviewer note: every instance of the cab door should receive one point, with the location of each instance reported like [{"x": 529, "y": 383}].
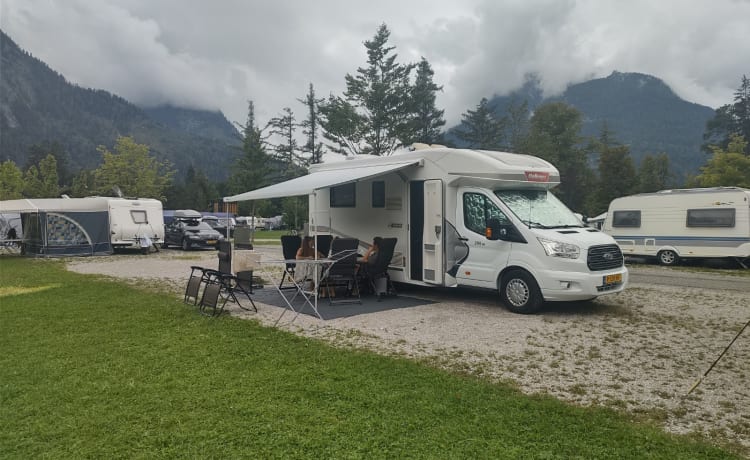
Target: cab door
[
  {"x": 432, "y": 232},
  {"x": 486, "y": 258}
]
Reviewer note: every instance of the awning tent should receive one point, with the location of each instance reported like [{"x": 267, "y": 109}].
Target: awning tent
[
  {"x": 308, "y": 184},
  {"x": 63, "y": 227}
]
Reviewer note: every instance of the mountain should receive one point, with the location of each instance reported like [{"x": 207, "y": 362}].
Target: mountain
[
  {"x": 641, "y": 111},
  {"x": 203, "y": 123},
  {"x": 38, "y": 105}
]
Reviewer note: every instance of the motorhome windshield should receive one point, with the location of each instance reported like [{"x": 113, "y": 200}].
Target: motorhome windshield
[{"x": 538, "y": 208}]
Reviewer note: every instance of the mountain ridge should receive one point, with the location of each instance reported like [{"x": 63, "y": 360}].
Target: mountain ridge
[{"x": 37, "y": 105}]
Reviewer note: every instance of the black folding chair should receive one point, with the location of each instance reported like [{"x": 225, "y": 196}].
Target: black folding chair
[
  {"x": 343, "y": 272},
  {"x": 289, "y": 246},
  {"x": 212, "y": 302},
  {"x": 197, "y": 278},
  {"x": 241, "y": 282},
  {"x": 377, "y": 271},
  {"x": 324, "y": 244}
]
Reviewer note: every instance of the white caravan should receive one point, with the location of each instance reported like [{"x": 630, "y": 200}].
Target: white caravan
[
  {"x": 683, "y": 223},
  {"x": 132, "y": 219},
  {"x": 464, "y": 218}
]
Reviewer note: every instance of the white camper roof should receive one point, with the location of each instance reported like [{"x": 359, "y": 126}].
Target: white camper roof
[
  {"x": 305, "y": 185},
  {"x": 55, "y": 204}
]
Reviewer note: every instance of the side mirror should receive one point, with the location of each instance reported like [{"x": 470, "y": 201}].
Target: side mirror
[{"x": 495, "y": 231}]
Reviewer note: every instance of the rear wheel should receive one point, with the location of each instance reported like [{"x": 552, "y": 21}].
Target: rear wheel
[
  {"x": 520, "y": 292},
  {"x": 185, "y": 244},
  {"x": 668, "y": 257}
]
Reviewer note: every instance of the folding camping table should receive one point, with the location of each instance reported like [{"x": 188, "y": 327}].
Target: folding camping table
[{"x": 309, "y": 294}]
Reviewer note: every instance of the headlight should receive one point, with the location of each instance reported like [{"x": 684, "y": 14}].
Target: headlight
[{"x": 558, "y": 249}]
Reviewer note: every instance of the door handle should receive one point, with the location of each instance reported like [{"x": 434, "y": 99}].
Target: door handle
[{"x": 461, "y": 238}]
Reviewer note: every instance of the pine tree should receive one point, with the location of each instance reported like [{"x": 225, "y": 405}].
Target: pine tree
[
  {"x": 729, "y": 120},
  {"x": 555, "y": 135},
  {"x": 287, "y": 150},
  {"x": 251, "y": 169},
  {"x": 480, "y": 129},
  {"x": 311, "y": 126},
  {"x": 373, "y": 116},
  {"x": 616, "y": 171},
  {"x": 517, "y": 125},
  {"x": 653, "y": 173},
  {"x": 425, "y": 119}
]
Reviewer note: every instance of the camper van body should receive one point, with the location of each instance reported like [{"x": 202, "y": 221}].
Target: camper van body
[
  {"x": 440, "y": 204},
  {"x": 682, "y": 223},
  {"x": 130, "y": 220}
]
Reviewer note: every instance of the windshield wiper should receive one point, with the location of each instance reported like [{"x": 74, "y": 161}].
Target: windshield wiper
[
  {"x": 533, "y": 224},
  {"x": 567, "y": 226}
]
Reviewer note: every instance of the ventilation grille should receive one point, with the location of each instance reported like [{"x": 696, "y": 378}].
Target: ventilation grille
[{"x": 605, "y": 257}]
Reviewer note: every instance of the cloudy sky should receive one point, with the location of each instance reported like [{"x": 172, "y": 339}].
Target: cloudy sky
[{"x": 220, "y": 54}]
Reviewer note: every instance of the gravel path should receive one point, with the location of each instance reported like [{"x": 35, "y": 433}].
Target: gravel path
[{"x": 639, "y": 351}]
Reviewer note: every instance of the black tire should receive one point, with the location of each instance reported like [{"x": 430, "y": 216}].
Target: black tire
[
  {"x": 520, "y": 292},
  {"x": 186, "y": 244},
  {"x": 668, "y": 257}
]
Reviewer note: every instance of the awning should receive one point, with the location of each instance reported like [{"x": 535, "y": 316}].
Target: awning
[{"x": 306, "y": 185}]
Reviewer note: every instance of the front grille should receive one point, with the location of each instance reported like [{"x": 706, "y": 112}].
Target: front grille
[{"x": 604, "y": 257}]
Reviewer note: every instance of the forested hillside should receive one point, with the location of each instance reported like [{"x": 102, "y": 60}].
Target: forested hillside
[
  {"x": 640, "y": 110},
  {"x": 38, "y": 105}
]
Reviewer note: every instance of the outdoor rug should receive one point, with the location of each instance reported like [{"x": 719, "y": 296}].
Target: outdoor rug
[{"x": 270, "y": 296}]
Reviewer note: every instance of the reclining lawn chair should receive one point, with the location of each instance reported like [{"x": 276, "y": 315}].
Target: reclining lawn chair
[
  {"x": 197, "y": 278},
  {"x": 212, "y": 302},
  {"x": 377, "y": 271},
  {"x": 289, "y": 246}
]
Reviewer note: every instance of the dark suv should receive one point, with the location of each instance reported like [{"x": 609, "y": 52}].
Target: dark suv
[{"x": 188, "y": 232}]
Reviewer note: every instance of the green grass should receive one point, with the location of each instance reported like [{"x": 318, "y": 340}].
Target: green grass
[{"x": 96, "y": 369}]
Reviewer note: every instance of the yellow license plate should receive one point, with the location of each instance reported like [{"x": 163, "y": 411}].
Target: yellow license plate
[
  {"x": 613, "y": 279},
  {"x": 210, "y": 241}
]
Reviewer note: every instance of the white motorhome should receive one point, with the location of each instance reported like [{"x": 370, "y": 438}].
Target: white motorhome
[
  {"x": 683, "y": 223},
  {"x": 464, "y": 218},
  {"x": 130, "y": 220}
]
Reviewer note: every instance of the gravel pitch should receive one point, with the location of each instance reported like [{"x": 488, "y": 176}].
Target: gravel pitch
[{"x": 638, "y": 351}]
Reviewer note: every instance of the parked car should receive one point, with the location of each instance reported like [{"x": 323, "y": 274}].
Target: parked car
[
  {"x": 220, "y": 224},
  {"x": 188, "y": 231}
]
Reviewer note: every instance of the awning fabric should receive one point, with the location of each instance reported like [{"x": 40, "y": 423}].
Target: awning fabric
[{"x": 306, "y": 185}]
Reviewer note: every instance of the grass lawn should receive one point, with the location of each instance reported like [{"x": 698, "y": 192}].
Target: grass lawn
[{"x": 95, "y": 369}]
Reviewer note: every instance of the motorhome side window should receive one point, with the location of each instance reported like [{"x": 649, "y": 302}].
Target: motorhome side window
[
  {"x": 478, "y": 209},
  {"x": 344, "y": 196},
  {"x": 710, "y": 217},
  {"x": 139, "y": 217},
  {"x": 378, "y": 194},
  {"x": 626, "y": 219}
]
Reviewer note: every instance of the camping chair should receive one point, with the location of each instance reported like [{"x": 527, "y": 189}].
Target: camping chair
[
  {"x": 343, "y": 271},
  {"x": 377, "y": 272},
  {"x": 324, "y": 244},
  {"x": 197, "y": 278},
  {"x": 212, "y": 299},
  {"x": 289, "y": 246},
  {"x": 232, "y": 284}
]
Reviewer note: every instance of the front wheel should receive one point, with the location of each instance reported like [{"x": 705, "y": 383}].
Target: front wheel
[
  {"x": 668, "y": 257},
  {"x": 185, "y": 244},
  {"x": 520, "y": 292}
]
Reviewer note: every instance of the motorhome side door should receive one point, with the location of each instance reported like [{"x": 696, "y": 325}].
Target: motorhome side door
[{"x": 432, "y": 234}]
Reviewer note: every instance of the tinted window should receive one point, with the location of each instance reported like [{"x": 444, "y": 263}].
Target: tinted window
[
  {"x": 478, "y": 210},
  {"x": 710, "y": 218},
  {"x": 344, "y": 196},
  {"x": 626, "y": 219},
  {"x": 378, "y": 194}
]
